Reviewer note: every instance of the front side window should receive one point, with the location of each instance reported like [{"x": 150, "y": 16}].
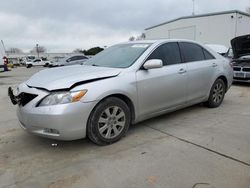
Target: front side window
[
  {"x": 118, "y": 56},
  {"x": 191, "y": 52},
  {"x": 169, "y": 53}
]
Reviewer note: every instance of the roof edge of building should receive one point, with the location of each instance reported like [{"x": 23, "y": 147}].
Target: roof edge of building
[{"x": 200, "y": 15}]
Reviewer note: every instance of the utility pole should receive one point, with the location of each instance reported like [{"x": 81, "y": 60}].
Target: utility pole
[
  {"x": 37, "y": 50},
  {"x": 193, "y": 8}
]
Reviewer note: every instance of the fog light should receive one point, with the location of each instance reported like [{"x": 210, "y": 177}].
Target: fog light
[{"x": 51, "y": 131}]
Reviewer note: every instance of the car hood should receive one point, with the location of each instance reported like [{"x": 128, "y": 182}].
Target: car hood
[
  {"x": 68, "y": 77},
  {"x": 241, "y": 46}
]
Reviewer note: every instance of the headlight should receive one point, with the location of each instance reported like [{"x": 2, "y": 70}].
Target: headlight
[{"x": 62, "y": 98}]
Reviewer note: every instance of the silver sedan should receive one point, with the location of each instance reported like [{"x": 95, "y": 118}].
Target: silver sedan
[{"x": 122, "y": 85}]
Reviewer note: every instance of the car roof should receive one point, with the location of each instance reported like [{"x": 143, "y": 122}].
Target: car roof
[{"x": 159, "y": 41}]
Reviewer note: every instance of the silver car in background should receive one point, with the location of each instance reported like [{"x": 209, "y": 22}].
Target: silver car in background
[
  {"x": 73, "y": 60},
  {"x": 122, "y": 85}
]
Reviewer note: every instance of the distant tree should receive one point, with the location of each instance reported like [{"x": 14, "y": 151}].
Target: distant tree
[
  {"x": 93, "y": 51},
  {"x": 14, "y": 51},
  {"x": 78, "y": 50},
  {"x": 38, "y": 49},
  {"x": 132, "y": 38},
  {"x": 141, "y": 37}
]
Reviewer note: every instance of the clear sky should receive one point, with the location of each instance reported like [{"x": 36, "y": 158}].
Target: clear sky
[{"x": 64, "y": 25}]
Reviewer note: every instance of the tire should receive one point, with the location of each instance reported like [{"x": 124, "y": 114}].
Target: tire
[
  {"x": 109, "y": 121},
  {"x": 217, "y": 94},
  {"x": 46, "y": 65},
  {"x": 29, "y": 66}
]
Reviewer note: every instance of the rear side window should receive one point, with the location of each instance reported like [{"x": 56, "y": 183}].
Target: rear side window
[
  {"x": 169, "y": 53},
  {"x": 208, "y": 55},
  {"x": 191, "y": 52}
]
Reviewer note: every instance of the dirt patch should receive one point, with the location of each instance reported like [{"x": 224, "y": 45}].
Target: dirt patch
[{"x": 64, "y": 182}]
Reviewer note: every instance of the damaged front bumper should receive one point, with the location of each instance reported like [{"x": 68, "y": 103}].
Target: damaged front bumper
[{"x": 61, "y": 122}]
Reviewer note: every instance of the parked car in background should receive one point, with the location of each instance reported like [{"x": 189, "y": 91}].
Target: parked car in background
[
  {"x": 241, "y": 58},
  {"x": 28, "y": 58},
  {"x": 73, "y": 60},
  {"x": 38, "y": 62},
  {"x": 126, "y": 83}
]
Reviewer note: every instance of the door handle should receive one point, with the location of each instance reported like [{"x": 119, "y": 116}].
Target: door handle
[
  {"x": 182, "y": 71},
  {"x": 214, "y": 65}
]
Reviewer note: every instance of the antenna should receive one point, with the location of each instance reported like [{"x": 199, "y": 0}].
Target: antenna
[{"x": 193, "y": 8}]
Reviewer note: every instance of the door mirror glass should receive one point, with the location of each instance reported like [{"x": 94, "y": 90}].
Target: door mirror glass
[{"x": 153, "y": 64}]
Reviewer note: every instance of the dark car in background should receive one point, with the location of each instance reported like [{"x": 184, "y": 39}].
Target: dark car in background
[{"x": 241, "y": 58}]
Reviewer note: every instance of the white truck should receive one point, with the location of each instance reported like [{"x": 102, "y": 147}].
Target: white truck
[
  {"x": 38, "y": 62},
  {"x": 1, "y": 63},
  {"x": 1, "y": 60}
]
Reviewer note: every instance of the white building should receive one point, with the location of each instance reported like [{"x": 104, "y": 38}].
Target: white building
[{"x": 213, "y": 28}]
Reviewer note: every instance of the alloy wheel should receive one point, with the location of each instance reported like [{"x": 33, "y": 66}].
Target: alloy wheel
[
  {"x": 218, "y": 93},
  {"x": 111, "y": 122}
]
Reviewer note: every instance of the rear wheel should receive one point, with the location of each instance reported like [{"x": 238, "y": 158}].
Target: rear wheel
[
  {"x": 217, "y": 94},
  {"x": 109, "y": 121}
]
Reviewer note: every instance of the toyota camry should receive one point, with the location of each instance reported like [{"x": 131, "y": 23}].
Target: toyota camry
[{"x": 122, "y": 85}]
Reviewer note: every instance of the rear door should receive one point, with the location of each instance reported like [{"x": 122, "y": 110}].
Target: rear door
[
  {"x": 162, "y": 88},
  {"x": 201, "y": 67}
]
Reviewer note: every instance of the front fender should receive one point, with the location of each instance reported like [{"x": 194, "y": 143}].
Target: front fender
[{"x": 123, "y": 84}]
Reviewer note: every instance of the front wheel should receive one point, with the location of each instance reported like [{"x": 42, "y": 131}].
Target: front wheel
[
  {"x": 109, "y": 121},
  {"x": 217, "y": 94}
]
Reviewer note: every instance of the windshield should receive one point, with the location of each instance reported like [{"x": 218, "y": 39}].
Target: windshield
[{"x": 118, "y": 56}]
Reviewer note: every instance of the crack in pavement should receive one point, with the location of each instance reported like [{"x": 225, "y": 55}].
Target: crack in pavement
[{"x": 200, "y": 146}]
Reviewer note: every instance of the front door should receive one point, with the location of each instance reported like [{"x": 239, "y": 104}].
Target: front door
[{"x": 162, "y": 88}]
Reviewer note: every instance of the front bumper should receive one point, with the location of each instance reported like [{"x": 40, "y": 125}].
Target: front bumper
[
  {"x": 241, "y": 76},
  {"x": 241, "y": 73},
  {"x": 61, "y": 122}
]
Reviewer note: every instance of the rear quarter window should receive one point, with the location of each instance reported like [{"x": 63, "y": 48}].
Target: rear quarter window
[{"x": 208, "y": 55}]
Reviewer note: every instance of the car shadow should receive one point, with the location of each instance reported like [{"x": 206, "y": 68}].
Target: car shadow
[
  {"x": 241, "y": 84},
  {"x": 5, "y": 76}
]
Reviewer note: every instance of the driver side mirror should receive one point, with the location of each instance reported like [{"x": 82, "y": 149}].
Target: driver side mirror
[{"x": 153, "y": 64}]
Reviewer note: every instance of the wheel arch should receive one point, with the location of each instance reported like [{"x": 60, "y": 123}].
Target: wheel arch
[
  {"x": 124, "y": 98},
  {"x": 224, "y": 79}
]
